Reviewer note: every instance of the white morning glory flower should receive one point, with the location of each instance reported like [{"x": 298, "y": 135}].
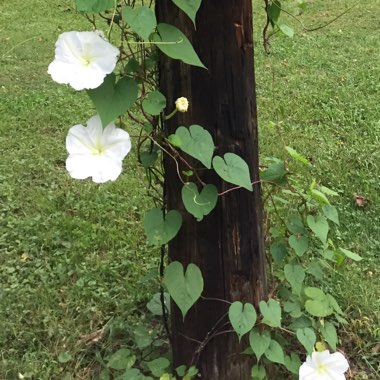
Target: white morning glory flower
[
  {"x": 96, "y": 152},
  {"x": 82, "y": 59},
  {"x": 324, "y": 366}
]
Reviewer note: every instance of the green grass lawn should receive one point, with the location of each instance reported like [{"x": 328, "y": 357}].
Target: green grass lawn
[{"x": 73, "y": 255}]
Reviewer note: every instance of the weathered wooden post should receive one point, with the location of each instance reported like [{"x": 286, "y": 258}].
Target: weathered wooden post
[{"x": 228, "y": 244}]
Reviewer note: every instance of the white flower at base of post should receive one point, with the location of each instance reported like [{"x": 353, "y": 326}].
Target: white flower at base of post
[
  {"x": 96, "y": 152},
  {"x": 324, "y": 366},
  {"x": 82, "y": 60},
  {"x": 182, "y": 104}
]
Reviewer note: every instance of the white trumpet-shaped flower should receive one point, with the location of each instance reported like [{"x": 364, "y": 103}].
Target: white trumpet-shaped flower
[
  {"x": 96, "y": 152},
  {"x": 82, "y": 59},
  {"x": 324, "y": 366}
]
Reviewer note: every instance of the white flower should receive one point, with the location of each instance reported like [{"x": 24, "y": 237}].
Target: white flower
[
  {"x": 96, "y": 152},
  {"x": 182, "y": 104},
  {"x": 324, "y": 366},
  {"x": 82, "y": 59}
]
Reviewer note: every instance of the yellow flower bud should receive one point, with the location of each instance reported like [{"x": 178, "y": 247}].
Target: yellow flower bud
[{"x": 182, "y": 104}]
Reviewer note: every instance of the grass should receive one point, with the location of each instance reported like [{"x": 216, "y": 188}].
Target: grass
[{"x": 72, "y": 254}]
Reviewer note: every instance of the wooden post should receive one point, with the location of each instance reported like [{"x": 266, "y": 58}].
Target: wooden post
[{"x": 228, "y": 244}]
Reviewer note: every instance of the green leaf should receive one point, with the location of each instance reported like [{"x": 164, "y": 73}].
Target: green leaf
[
  {"x": 143, "y": 337},
  {"x": 329, "y": 334},
  {"x": 274, "y": 173},
  {"x": 132, "y": 374},
  {"x": 318, "y": 308},
  {"x": 158, "y": 230},
  {"x": 190, "y": 7},
  {"x": 307, "y": 338},
  {"x": 315, "y": 269},
  {"x": 319, "y": 196},
  {"x": 242, "y": 317},
  {"x": 334, "y": 304},
  {"x": 258, "y": 372},
  {"x": 64, "y": 357},
  {"x": 287, "y": 30},
  {"x": 172, "y": 42},
  {"x": 94, "y": 6},
  {"x": 112, "y": 100},
  {"x": 158, "y": 366},
  {"x": 274, "y": 11},
  {"x": 293, "y": 363},
  {"x": 181, "y": 370},
  {"x": 319, "y": 305},
  {"x": 297, "y": 156},
  {"x": 293, "y": 308},
  {"x": 271, "y": 312},
  {"x": 300, "y": 244},
  {"x": 275, "y": 353},
  {"x": 351, "y": 255},
  {"x": 141, "y": 19},
  {"x": 315, "y": 293},
  {"x": 121, "y": 359},
  {"x": 259, "y": 342},
  {"x": 154, "y": 103},
  {"x": 233, "y": 169},
  {"x": 295, "y": 275},
  {"x": 155, "y": 306},
  {"x": 295, "y": 224},
  {"x": 184, "y": 288},
  {"x": 331, "y": 213},
  {"x": 319, "y": 226},
  {"x": 197, "y": 143},
  {"x": 278, "y": 251},
  {"x": 199, "y": 204},
  {"x": 148, "y": 158},
  {"x": 300, "y": 323}
]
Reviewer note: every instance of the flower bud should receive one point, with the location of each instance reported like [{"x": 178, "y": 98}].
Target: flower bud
[{"x": 182, "y": 104}]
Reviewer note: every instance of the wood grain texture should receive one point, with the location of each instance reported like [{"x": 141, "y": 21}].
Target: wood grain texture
[{"x": 227, "y": 245}]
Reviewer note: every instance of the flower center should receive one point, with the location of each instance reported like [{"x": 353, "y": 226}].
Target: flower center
[
  {"x": 98, "y": 150},
  {"x": 86, "y": 59},
  {"x": 321, "y": 368}
]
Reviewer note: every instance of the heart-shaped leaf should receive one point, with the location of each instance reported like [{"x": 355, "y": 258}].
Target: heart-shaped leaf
[
  {"x": 233, "y": 169},
  {"x": 242, "y": 317},
  {"x": 258, "y": 372},
  {"x": 319, "y": 226},
  {"x": 300, "y": 244},
  {"x": 154, "y": 103},
  {"x": 158, "y": 366},
  {"x": 307, "y": 338},
  {"x": 331, "y": 213},
  {"x": 199, "y": 204},
  {"x": 158, "y": 230},
  {"x": 275, "y": 173},
  {"x": 121, "y": 359},
  {"x": 271, "y": 312},
  {"x": 172, "y": 42},
  {"x": 295, "y": 275},
  {"x": 275, "y": 353},
  {"x": 141, "y": 19},
  {"x": 184, "y": 288},
  {"x": 319, "y": 308},
  {"x": 259, "y": 342},
  {"x": 94, "y": 6},
  {"x": 295, "y": 224},
  {"x": 190, "y": 7},
  {"x": 196, "y": 142},
  {"x": 293, "y": 363},
  {"x": 112, "y": 100},
  {"x": 328, "y": 331}
]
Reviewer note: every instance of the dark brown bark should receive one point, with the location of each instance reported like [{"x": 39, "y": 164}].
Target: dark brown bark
[{"x": 227, "y": 244}]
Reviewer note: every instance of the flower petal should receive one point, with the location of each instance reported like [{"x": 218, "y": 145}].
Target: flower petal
[
  {"x": 337, "y": 362},
  {"x": 82, "y": 60}
]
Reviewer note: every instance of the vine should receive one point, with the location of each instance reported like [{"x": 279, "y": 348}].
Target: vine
[{"x": 300, "y": 316}]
